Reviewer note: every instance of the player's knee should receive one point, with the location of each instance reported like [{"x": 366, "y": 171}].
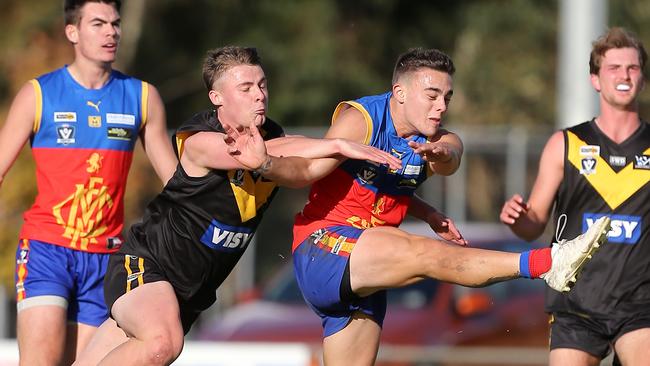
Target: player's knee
[{"x": 163, "y": 349}]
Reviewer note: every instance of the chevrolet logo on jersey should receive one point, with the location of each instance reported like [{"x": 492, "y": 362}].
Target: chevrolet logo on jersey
[
  {"x": 228, "y": 238},
  {"x": 626, "y": 229},
  {"x": 614, "y": 187}
]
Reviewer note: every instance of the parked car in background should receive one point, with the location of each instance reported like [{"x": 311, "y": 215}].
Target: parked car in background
[{"x": 426, "y": 313}]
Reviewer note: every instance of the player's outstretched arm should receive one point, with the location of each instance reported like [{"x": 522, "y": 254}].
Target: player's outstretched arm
[
  {"x": 528, "y": 219},
  {"x": 17, "y": 127}
]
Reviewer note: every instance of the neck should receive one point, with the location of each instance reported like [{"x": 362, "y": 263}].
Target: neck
[
  {"x": 88, "y": 74},
  {"x": 618, "y": 124}
]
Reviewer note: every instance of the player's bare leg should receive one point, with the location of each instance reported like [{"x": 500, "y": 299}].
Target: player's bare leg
[
  {"x": 633, "y": 348},
  {"x": 41, "y": 328}
]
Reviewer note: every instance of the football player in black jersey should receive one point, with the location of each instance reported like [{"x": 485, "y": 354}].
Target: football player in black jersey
[{"x": 600, "y": 167}]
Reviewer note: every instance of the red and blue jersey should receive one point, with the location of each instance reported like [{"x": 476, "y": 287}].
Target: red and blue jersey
[
  {"x": 82, "y": 143},
  {"x": 360, "y": 193}
]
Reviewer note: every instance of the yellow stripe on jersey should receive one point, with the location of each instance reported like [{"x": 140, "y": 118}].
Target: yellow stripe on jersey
[
  {"x": 180, "y": 141},
  {"x": 38, "y": 108},
  {"x": 144, "y": 102},
  {"x": 250, "y": 195},
  {"x": 360, "y": 108},
  {"x": 614, "y": 188},
  {"x": 129, "y": 272}
]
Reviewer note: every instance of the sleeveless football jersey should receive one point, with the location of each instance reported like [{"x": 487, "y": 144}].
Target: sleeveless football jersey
[
  {"x": 197, "y": 228},
  {"x": 82, "y": 143},
  {"x": 362, "y": 194},
  {"x": 605, "y": 178}
]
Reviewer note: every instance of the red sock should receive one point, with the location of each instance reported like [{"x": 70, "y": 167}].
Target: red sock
[{"x": 539, "y": 262}]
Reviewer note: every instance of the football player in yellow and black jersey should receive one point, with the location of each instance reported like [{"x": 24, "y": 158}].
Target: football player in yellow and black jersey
[
  {"x": 232, "y": 160},
  {"x": 600, "y": 167}
]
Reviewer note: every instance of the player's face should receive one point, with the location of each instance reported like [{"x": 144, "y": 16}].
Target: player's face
[
  {"x": 620, "y": 79},
  {"x": 241, "y": 96},
  {"x": 427, "y": 94},
  {"x": 97, "y": 35}
]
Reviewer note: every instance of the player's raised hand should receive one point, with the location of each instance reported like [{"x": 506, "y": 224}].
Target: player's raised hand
[
  {"x": 433, "y": 151},
  {"x": 513, "y": 209},
  {"x": 446, "y": 228},
  {"x": 246, "y": 145}
]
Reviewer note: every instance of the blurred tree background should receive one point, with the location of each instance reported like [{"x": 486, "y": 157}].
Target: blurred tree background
[{"x": 315, "y": 53}]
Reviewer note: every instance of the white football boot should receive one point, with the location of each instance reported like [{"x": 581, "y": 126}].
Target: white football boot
[{"x": 570, "y": 256}]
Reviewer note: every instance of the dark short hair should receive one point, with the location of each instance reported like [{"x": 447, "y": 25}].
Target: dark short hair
[
  {"x": 616, "y": 37},
  {"x": 72, "y": 8},
  {"x": 417, "y": 58},
  {"x": 219, "y": 60}
]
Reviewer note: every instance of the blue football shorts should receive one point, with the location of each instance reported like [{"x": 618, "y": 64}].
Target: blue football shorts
[
  {"x": 48, "y": 274},
  {"x": 321, "y": 265}
]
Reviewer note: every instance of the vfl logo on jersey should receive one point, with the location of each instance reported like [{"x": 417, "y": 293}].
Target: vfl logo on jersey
[
  {"x": 626, "y": 229},
  {"x": 65, "y": 134},
  {"x": 642, "y": 162},
  {"x": 367, "y": 175},
  {"x": 119, "y": 133},
  {"x": 617, "y": 160},
  {"x": 65, "y": 117},
  {"x": 587, "y": 166},
  {"x": 226, "y": 238}
]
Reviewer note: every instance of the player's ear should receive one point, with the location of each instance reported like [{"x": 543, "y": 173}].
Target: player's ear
[
  {"x": 595, "y": 82},
  {"x": 215, "y": 97},
  {"x": 398, "y": 92},
  {"x": 72, "y": 33}
]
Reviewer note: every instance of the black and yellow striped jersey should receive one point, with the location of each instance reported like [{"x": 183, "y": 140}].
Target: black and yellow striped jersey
[
  {"x": 197, "y": 228},
  {"x": 602, "y": 177}
]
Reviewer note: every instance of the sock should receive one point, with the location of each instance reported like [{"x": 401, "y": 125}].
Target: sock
[{"x": 534, "y": 263}]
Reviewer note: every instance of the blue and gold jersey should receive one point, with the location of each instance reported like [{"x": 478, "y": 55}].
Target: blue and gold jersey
[
  {"x": 82, "y": 143},
  {"x": 360, "y": 193}
]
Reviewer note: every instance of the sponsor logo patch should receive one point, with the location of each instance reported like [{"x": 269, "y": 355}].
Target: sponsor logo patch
[
  {"x": 412, "y": 169},
  {"x": 94, "y": 121},
  {"x": 120, "y": 119},
  {"x": 226, "y": 238},
  {"x": 626, "y": 229},
  {"x": 642, "y": 162},
  {"x": 617, "y": 160},
  {"x": 590, "y": 150},
  {"x": 65, "y": 116},
  {"x": 65, "y": 134},
  {"x": 119, "y": 133}
]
